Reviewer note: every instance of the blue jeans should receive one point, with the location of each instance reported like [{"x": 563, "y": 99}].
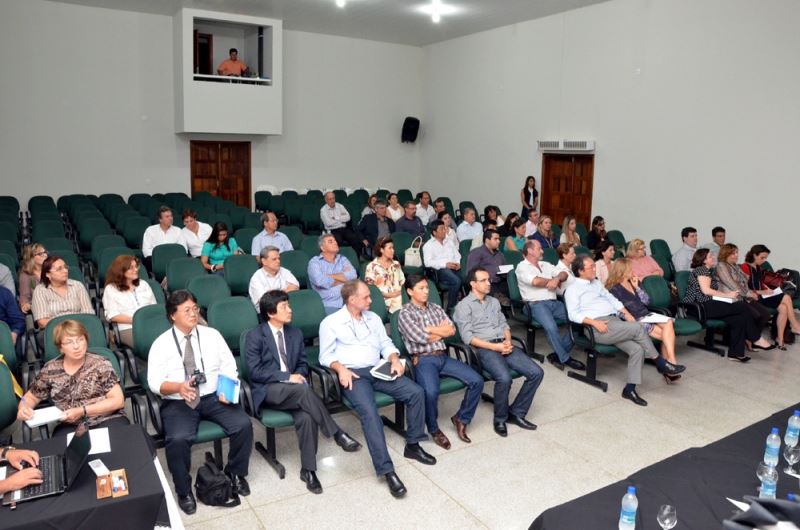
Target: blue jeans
[
  {"x": 428, "y": 371},
  {"x": 499, "y": 366},
  {"x": 451, "y": 281},
  {"x": 362, "y": 397},
  {"x": 547, "y": 312}
]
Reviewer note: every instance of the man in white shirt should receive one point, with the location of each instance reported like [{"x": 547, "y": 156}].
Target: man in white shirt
[
  {"x": 682, "y": 259},
  {"x": 194, "y": 232},
  {"x": 718, "y": 239},
  {"x": 271, "y": 276},
  {"x": 163, "y": 232},
  {"x": 441, "y": 255},
  {"x": 334, "y": 219},
  {"x": 178, "y": 360},
  {"x": 538, "y": 281},
  {"x": 533, "y": 223},
  {"x": 270, "y": 236},
  {"x": 589, "y": 303},
  {"x": 439, "y": 206},
  {"x": 469, "y": 227},
  {"x": 425, "y": 210},
  {"x": 351, "y": 342}
]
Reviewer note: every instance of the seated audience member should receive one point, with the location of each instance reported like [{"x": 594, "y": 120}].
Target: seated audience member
[
  {"x": 124, "y": 294},
  {"x": 469, "y": 227},
  {"x": 376, "y": 225},
  {"x": 482, "y": 325},
  {"x": 492, "y": 213},
  {"x": 370, "y": 207},
  {"x": 393, "y": 209},
  {"x": 738, "y": 319},
  {"x": 425, "y": 211},
  {"x": 626, "y": 287},
  {"x": 11, "y": 315},
  {"x": 232, "y": 66},
  {"x": 176, "y": 357},
  {"x": 589, "y": 303},
  {"x": 386, "y": 273},
  {"x": 7, "y": 279},
  {"x": 507, "y": 228},
  {"x": 517, "y": 239},
  {"x": 24, "y": 476},
  {"x": 351, "y": 342},
  {"x": 30, "y": 274},
  {"x": 410, "y": 223},
  {"x": 441, "y": 255},
  {"x": 424, "y": 326},
  {"x": 328, "y": 272},
  {"x": 566, "y": 257},
  {"x": 80, "y": 383},
  {"x": 532, "y": 226},
  {"x": 717, "y": 240},
  {"x": 529, "y": 196},
  {"x": 439, "y": 206},
  {"x": 163, "y": 232},
  {"x": 194, "y": 232},
  {"x": 682, "y": 258},
  {"x": 597, "y": 233},
  {"x": 754, "y": 268},
  {"x": 538, "y": 281},
  {"x": 334, "y": 218},
  {"x": 603, "y": 260},
  {"x": 276, "y": 361},
  {"x": 219, "y": 246},
  {"x": 477, "y": 241},
  {"x": 271, "y": 276},
  {"x": 451, "y": 235},
  {"x": 544, "y": 233},
  {"x": 58, "y": 294},
  {"x": 270, "y": 237},
  {"x": 643, "y": 265},
  {"x": 733, "y": 278},
  {"x": 568, "y": 233},
  {"x": 489, "y": 257}
]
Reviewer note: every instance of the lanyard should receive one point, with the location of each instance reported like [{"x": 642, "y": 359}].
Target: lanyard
[{"x": 180, "y": 353}]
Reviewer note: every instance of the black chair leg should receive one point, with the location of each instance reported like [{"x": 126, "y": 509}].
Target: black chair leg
[
  {"x": 707, "y": 344},
  {"x": 590, "y": 377},
  {"x": 398, "y": 425},
  {"x": 531, "y": 340},
  {"x": 269, "y": 453}
]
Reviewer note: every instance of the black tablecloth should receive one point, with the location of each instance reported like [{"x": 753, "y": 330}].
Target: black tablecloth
[
  {"x": 695, "y": 481},
  {"x": 144, "y": 507}
]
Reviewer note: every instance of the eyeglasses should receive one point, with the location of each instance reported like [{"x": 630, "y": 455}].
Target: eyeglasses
[
  {"x": 77, "y": 341},
  {"x": 191, "y": 310},
  {"x": 41, "y": 253}
]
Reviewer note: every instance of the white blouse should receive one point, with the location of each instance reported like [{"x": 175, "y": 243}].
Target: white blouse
[
  {"x": 116, "y": 302},
  {"x": 395, "y": 214}
]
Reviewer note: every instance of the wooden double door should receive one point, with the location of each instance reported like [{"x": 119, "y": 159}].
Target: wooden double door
[
  {"x": 222, "y": 169},
  {"x": 567, "y": 182}
]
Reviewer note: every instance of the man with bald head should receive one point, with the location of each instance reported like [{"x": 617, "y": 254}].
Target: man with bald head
[{"x": 335, "y": 219}]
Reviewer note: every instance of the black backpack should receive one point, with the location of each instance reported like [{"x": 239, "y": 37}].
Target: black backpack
[{"x": 213, "y": 487}]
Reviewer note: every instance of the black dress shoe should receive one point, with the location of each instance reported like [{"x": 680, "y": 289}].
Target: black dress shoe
[
  {"x": 521, "y": 422},
  {"x": 765, "y": 348},
  {"x": 346, "y": 442},
  {"x": 633, "y": 396},
  {"x": 396, "y": 485},
  {"x": 239, "y": 485},
  {"x": 553, "y": 359},
  {"x": 416, "y": 452},
  {"x": 671, "y": 369},
  {"x": 575, "y": 364},
  {"x": 311, "y": 480},
  {"x": 500, "y": 428},
  {"x": 187, "y": 503}
]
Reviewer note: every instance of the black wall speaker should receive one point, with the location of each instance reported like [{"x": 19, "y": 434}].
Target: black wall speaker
[{"x": 410, "y": 130}]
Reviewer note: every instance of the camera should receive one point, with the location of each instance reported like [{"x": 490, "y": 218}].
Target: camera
[{"x": 198, "y": 378}]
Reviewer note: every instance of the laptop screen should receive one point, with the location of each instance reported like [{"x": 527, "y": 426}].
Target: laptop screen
[{"x": 77, "y": 453}]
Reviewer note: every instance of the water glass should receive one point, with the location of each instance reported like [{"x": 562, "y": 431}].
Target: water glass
[
  {"x": 792, "y": 455},
  {"x": 667, "y": 516}
]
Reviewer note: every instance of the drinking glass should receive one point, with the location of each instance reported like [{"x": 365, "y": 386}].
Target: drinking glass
[
  {"x": 761, "y": 471},
  {"x": 667, "y": 516},
  {"x": 792, "y": 455}
]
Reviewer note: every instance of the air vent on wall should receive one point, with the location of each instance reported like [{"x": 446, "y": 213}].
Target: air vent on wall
[{"x": 566, "y": 145}]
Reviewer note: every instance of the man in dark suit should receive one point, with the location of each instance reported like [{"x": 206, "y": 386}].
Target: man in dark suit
[
  {"x": 375, "y": 225},
  {"x": 276, "y": 359}
]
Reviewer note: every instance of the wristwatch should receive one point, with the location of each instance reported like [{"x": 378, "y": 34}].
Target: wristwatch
[{"x": 5, "y": 452}]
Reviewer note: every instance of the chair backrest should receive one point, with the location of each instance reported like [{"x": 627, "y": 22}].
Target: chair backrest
[
  {"x": 238, "y": 271},
  {"x": 163, "y": 254},
  {"x": 8, "y": 400},
  {"x": 103, "y": 241},
  {"x": 262, "y": 199},
  {"x": 659, "y": 247},
  {"x": 378, "y": 305},
  {"x": 149, "y": 322},
  {"x": 44, "y": 229},
  {"x": 309, "y": 245},
  {"x": 133, "y": 229},
  {"x": 244, "y": 238},
  {"x": 296, "y": 261},
  {"x": 513, "y": 287},
  {"x": 582, "y": 251},
  {"x": 682, "y": 283},
  {"x": 294, "y": 234},
  {"x": 97, "y": 333},
  {"x": 158, "y": 291},
  {"x": 113, "y": 359},
  {"x": 181, "y": 270},
  {"x": 658, "y": 291},
  {"x": 433, "y": 294},
  {"x": 550, "y": 256},
  {"x": 10, "y": 232},
  {"x": 91, "y": 229},
  {"x": 309, "y": 217},
  {"x": 352, "y": 257},
  {"x": 231, "y": 316},
  {"x": 9, "y": 261},
  {"x": 307, "y": 312},
  {"x": 7, "y": 348},
  {"x": 208, "y": 289},
  {"x": 616, "y": 237},
  {"x": 512, "y": 257},
  {"x": 55, "y": 245},
  {"x": 396, "y": 336},
  {"x": 665, "y": 262},
  {"x": 402, "y": 242}
]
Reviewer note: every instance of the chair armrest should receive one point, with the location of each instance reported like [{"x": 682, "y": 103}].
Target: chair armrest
[
  {"x": 154, "y": 408},
  {"x": 130, "y": 361},
  {"x": 113, "y": 328},
  {"x": 139, "y": 410},
  {"x": 246, "y": 397},
  {"x": 410, "y": 371},
  {"x": 460, "y": 352},
  {"x": 473, "y": 359},
  {"x": 660, "y": 310},
  {"x": 521, "y": 343},
  {"x": 694, "y": 310}
]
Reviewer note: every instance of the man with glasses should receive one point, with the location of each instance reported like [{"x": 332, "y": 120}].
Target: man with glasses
[
  {"x": 183, "y": 367},
  {"x": 410, "y": 223},
  {"x": 488, "y": 256},
  {"x": 271, "y": 276},
  {"x": 270, "y": 237}
]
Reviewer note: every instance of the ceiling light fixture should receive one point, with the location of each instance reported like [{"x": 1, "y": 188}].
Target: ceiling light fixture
[
  {"x": 341, "y": 3},
  {"x": 436, "y": 9}
]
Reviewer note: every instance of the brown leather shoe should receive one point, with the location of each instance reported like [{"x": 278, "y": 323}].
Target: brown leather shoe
[
  {"x": 461, "y": 429},
  {"x": 441, "y": 440}
]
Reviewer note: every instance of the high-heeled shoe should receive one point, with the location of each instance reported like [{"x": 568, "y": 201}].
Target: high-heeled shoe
[{"x": 671, "y": 379}]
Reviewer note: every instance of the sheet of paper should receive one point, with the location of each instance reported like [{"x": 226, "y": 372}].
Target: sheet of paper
[
  {"x": 44, "y": 415},
  {"x": 3, "y": 472},
  {"x": 775, "y": 292},
  {"x": 99, "y": 439},
  {"x": 741, "y": 505},
  {"x": 505, "y": 269},
  {"x": 722, "y": 299},
  {"x": 655, "y": 318}
]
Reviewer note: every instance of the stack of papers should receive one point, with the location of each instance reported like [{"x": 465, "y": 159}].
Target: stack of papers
[
  {"x": 44, "y": 415},
  {"x": 723, "y": 299}
]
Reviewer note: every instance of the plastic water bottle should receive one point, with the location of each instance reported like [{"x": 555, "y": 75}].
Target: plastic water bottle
[
  {"x": 769, "y": 484},
  {"x": 627, "y": 515},
  {"x": 771, "y": 454},
  {"x": 792, "y": 430}
]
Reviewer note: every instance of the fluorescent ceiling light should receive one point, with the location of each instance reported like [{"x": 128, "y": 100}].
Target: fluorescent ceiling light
[
  {"x": 436, "y": 9},
  {"x": 341, "y": 3}
]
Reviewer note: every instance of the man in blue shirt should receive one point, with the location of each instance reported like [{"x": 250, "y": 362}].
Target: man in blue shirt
[
  {"x": 270, "y": 236},
  {"x": 328, "y": 272}
]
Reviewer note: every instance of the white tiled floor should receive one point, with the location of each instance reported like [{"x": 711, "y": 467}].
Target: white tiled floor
[{"x": 586, "y": 440}]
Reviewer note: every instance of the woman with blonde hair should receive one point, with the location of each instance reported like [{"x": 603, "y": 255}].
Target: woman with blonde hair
[
  {"x": 568, "y": 233},
  {"x": 625, "y": 286},
  {"x": 30, "y": 274},
  {"x": 544, "y": 233},
  {"x": 643, "y": 265}
]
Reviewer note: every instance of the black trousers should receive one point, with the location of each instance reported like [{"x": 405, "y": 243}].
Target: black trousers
[
  {"x": 180, "y": 432},
  {"x": 739, "y": 320},
  {"x": 309, "y": 415}
]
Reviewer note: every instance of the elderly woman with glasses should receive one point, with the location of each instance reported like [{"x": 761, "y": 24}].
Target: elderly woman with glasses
[{"x": 642, "y": 264}]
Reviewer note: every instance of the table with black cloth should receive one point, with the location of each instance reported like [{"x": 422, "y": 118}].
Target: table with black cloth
[
  {"x": 144, "y": 507},
  {"x": 696, "y": 482}
]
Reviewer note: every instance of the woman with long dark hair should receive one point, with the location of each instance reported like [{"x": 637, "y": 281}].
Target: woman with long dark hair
[
  {"x": 529, "y": 197},
  {"x": 219, "y": 246}
]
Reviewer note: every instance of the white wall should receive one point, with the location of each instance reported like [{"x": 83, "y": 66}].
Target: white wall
[
  {"x": 693, "y": 106},
  {"x": 224, "y": 38}
]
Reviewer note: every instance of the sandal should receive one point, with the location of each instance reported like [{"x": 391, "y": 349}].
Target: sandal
[
  {"x": 671, "y": 379},
  {"x": 781, "y": 347}
]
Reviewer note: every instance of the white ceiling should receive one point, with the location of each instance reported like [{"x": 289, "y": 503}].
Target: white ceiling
[{"x": 382, "y": 20}]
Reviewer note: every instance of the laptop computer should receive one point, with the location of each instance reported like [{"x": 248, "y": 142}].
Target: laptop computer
[{"x": 58, "y": 471}]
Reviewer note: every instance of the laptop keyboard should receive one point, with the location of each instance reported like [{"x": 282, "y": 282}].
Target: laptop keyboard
[{"x": 47, "y": 465}]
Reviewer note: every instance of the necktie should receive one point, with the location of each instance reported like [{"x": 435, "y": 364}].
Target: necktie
[
  {"x": 190, "y": 366},
  {"x": 282, "y": 351}
]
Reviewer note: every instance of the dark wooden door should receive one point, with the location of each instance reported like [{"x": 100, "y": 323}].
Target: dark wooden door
[
  {"x": 222, "y": 169},
  {"x": 567, "y": 186}
]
